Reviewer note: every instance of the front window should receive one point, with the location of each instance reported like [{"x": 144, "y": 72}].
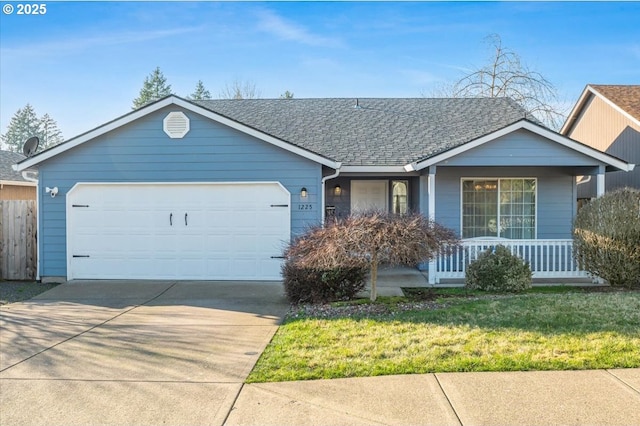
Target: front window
[
  {"x": 399, "y": 196},
  {"x": 503, "y": 208}
]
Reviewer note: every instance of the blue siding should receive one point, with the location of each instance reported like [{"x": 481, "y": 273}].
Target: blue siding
[
  {"x": 142, "y": 152},
  {"x": 555, "y": 202},
  {"x": 520, "y": 148}
]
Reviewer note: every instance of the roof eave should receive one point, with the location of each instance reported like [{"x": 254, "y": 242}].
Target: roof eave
[
  {"x": 373, "y": 169},
  {"x": 17, "y": 182},
  {"x": 575, "y": 111}
]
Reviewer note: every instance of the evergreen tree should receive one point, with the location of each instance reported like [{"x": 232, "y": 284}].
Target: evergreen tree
[
  {"x": 26, "y": 124},
  {"x": 49, "y": 133},
  {"x": 201, "y": 93},
  {"x": 23, "y": 125},
  {"x": 154, "y": 87},
  {"x": 287, "y": 95}
]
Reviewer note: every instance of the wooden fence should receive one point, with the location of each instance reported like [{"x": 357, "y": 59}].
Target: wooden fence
[{"x": 18, "y": 248}]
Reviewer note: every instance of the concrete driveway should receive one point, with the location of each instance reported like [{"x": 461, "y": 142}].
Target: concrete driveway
[{"x": 124, "y": 352}]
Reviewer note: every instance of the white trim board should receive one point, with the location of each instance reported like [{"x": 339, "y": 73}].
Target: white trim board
[
  {"x": 156, "y": 106},
  {"x": 16, "y": 183},
  {"x": 373, "y": 169}
]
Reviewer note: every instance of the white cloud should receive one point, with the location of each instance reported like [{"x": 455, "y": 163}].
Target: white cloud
[
  {"x": 286, "y": 30},
  {"x": 80, "y": 43},
  {"x": 420, "y": 77}
]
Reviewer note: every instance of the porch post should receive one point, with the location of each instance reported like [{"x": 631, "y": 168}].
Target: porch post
[
  {"x": 432, "y": 192},
  {"x": 600, "y": 182},
  {"x": 433, "y": 279}
]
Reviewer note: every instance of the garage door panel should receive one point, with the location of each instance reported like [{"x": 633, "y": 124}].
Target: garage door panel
[
  {"x": 140, "y": 231},
  {"x": 191, "y": 269},
  {"x": 218, "y": 266}
]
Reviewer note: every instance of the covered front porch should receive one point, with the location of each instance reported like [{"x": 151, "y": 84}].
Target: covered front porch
[{"x": 516, "y": 187}]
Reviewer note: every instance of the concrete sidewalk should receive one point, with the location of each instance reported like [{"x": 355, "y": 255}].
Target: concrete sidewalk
[{"x": 593, "y": 397}]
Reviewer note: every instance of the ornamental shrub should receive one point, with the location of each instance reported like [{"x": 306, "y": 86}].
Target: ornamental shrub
[
  {"x": 370, "y": 239},
  {"x": 307, "y": 285},
  {"x": 498, "y": 270},
  {"x": 606, "y": 237}
]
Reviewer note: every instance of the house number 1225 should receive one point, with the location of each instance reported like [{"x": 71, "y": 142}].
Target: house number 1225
[{"x": 305, "y": 206}]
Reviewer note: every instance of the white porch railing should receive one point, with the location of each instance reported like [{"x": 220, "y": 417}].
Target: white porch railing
[{"x": 547, "y": 258}]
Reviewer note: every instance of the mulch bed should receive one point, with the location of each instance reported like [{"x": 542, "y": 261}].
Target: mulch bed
[
  {"x": 17, "y": 291},
  {"x": 419, "y": 299}
]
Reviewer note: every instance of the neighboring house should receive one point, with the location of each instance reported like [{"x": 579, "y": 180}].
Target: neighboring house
[
  {"x": 607, "y": 117},
  {"x": 213, "y": 189},
  {"x": 13, "y": 186}
]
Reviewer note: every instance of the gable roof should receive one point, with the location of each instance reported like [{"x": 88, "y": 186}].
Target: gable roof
[
  {"x": 613, "y": 163},
  {"x": 369, "y": 134},
  {"x": 7, "y": 174},
  {"x": 373, "y": 131},
  {"x": 623, "y": 98}
]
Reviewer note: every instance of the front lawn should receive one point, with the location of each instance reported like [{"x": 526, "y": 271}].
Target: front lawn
[{"x": 561, "y": 330}]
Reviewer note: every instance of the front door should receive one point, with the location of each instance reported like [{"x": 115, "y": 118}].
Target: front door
[{"x": 368, "y": 195}]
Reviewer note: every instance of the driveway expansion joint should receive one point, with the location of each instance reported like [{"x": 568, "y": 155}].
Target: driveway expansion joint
[
  {"x": 623, "y": 382},
  {"x": 448, "y": 399}
]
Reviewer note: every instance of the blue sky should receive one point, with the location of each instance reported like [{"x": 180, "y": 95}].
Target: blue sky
[{"x": 84, "y": 62}]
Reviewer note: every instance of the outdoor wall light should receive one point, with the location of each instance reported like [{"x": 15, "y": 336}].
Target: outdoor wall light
[
  {"x": 303, "y": 192},
  {"x": 53, "y": 191},
  {"x": 337, "y": 190}
]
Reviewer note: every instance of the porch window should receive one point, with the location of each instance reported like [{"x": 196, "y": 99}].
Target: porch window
[
  {"x": 399, "y": 196},
  {"x": 503, "y": 208}
]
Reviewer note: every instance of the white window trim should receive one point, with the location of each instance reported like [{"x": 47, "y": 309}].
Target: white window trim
[
  {"x": 462, "y": 179},
  {"x": 406, "y": 182}
]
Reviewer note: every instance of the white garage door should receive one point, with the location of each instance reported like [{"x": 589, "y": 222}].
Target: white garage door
[{"x": 212, "y": 231}]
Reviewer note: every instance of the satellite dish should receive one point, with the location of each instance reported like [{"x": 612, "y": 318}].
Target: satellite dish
[{"x": 30, "y": 146}]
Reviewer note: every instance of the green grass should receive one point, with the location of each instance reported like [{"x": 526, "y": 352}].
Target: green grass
[{"x": 535, "y": 331}]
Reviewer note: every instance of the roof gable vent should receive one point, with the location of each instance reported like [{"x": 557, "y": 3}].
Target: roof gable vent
[{"x": 176, "y": 125}]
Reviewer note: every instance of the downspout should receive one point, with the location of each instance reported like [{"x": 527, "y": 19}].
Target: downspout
[
  {"x": 322, "y": 197},
  {"x": 25, "y": 175}
]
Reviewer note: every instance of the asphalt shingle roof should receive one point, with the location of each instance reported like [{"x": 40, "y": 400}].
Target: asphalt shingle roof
[
  {"x": 626, "y": 97},
  {"x": 381, "y": 132},
  {"x": 7, "y": 160}
]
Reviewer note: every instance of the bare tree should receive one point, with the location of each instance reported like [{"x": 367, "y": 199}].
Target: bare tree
[
  {"x": 505, "y": 75},
  {"x": 371, "y": 239},
  {"x": 239, "y": 90}
]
